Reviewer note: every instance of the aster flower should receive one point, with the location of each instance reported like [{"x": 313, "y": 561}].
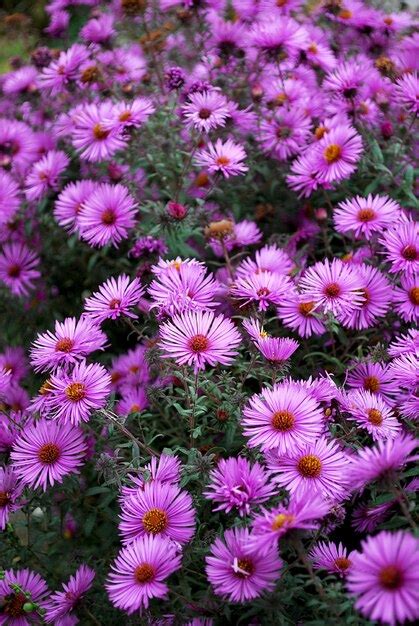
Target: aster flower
[
  {"x": 282, "y": 418},
  {"x": 45, "y": 174},
  {"x": 199, "y": 338},
  {"x": 279, "y": 39},
  {"x": 382, "y": 461},
  {"x": 236, "y": 484},
  {"x": 158, "y": 509},
  {"x": 10, "y": 492},
  {"x": 405, "y": 344},
  {"x": 264, "y": 289},
  {"x": 299, "y": 312},
  {"x": 225, "y": 158},
  {"x": 130, "y": 114},
  {"x": 336, "y": 155},
  {"x": 47, "y": 451},
  {"x": 107, "y": 215},
  {"x": 267, "y": 259},
  {"x": 114, "y": 298},
  {"x": 407, "y": 90},
  {"x": 205, "y": 111},
  {"x": 182, "y": 286},
  {"x": 406, "y": 298},
  {"x": 134, "y": 400},
  {"x": 371, "y": 412},
  {"x": 374, "y": 377},
  {"x": 333, "y": 286},
  {"x": 303, "y": 512},
  {"x": 9, "y": 197},
  {"x": 277, "y": 350},
  {"x": 18, "y": 268},
  {"x": 61, "y": 603},
  {"x": 332, "y": 557},
  {"x": 12, "y": 602},
  {"x": 92, "y": 136},
  {"x": 139, "y": 572},
  {"x": 366, "y": 518},
  {"x": 304, "y": 177},
  {"x": 130, "y": 369},
  {"x": 76, "y": 394},
  {"x": 347, "y": 79},
  {"x": 378, "y": 294},
  {"x": 14, "y": 362},
  {"x": 60, "y": 73},
  {"x": 401, "y": 247},
  {"x": 69, "y": 202},
  {"x": 405, "y": 370},
  {"x": 99, "y": 29},
  {"x": 365, "y": 216},
  {"x": 320, "y": 466},
  {"x": 164, "y": 469},
  {"x": 238, "y": 572},
  {"x": 283, "y": 135},
  {"x": 18, "y": 146},
  {"x": 384, "y": 577},
  {"x": 21, "y": 81},
  {"x": 72, "y": 340}
]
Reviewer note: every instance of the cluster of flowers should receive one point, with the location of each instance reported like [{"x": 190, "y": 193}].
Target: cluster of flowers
[{"x": 138, "y": 167}]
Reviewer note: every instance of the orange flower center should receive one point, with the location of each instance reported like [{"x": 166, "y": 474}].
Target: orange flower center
[
  {"x": 75, "y": 392},
  {"x": 204, "y": 114},
  {"x": 309, "y": 466},
  {"x": 283, "y": 421},
  {"x": 223, "y": 160},
  {"x": 305, "y": 308},
  {"x": 332, "y": 290},
  {"x": 342, "y": 562},
  {"x": 371, "y": 383},
  {"x": 4, "y": 499},
  {"x": 280, "y": 520},
  {"x": 414, "y": 295},
  {"x": 125, "y": 116},
  {"x": 199, "y": 343},
  {"x": 144, "y": 573},
  {"x": 391, "y": 577},
  {"x": 246, "y": 566},
  {"x": 13, "y": 271},
  {"x": 108, "y": 217},
  {"x": 375, "y": 417},
  {"x": 332, "y": 153},
  {"x": 320, "y": 132},
  {"x": 13, "y": 605},
  {"x": 45, "y": 388},
  {"x": 410, "y": 253},
  {"x": 99, "y": 132},
  {"x": 155, "y": 521},
  {"x": 366, "y": 215},
  {"x": 64, "y": 345},
  {"x": 263, "y": 291},
  {"x": 49, "y": 453}
]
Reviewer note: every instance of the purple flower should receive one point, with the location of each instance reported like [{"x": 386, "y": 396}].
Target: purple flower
[
  {"x": 365, "y": 216},
  {"x": 205, "y": 111},
  {"x": 69, "y": 202},
  {"x": 139, "y": 572},
  {"x": 9, "y": 197},
  {"x": 45, "y": 174},
  {"x": 384, "y": 577},
  {"x": 332, "y": 557},
  {"x": 238, "y": 484},
  {"x": 406, "y": 298},
  {"x": 378, "y": 295},
  {"x": 371, "y": 412},
  {"x": 61, "y": 603},
  {"x": 401, "y": 247},
  {"x": 72, "y": 340},
  {"x": 158, "y": 509},
  {"x": 92, "y": 136},
  {"x": 175, "y": 78},
  {"x": 12, "y": 601},
  {"x": 406, "y": 92},
  {"x": 237, "y": 571},
  {"x": 10, "y": 492},
  {"x": 336, "y": 155},
  {"x": 282, "y": 418},
  {"x": 64, "y": 70},
  {"x": 18, "y": 268},
  {"x": 114, "y": 298},
  {"x": 225, "y": 158},
  {"x": 46, "y": 451},
  {"x": 264, "y": 289}
]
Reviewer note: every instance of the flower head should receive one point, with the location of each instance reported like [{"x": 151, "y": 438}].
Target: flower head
[
  {"x": 114, "y": 298},
  {"x": 384, "y": 577},
  {"x": 401, "y": 247},
  {"x": 10, "y": 492},
  {"x": 45, "y": 174},
  {"x": 199, "y": 338},
  {"x": 61, "y": 603},
  {"x": 205, "y": 111},
  {"x": 365, "y": 216},
  {"x": 225, "y": 158},
  {"x": 371, "y": 412},
  {"x": 18, "y": 268},
  {"x": 332, "y": 557},
  {"x": 46, "y": 451},
  {"x": 12, "y": 601},
  {"x": 139, "y": 572},
  {"x": 336, "y": 155}
]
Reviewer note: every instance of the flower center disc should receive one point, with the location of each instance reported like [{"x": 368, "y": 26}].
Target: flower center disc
[
  {"x": 144, "y": 573},
  {"x": 49, "y": 453},
  {"x": 366, "y": 215},
  {"x": 375, "y": 417},
  {"x": 305, "y": 308},
  {"x": 391, "y": 577},
  {"x": 199, "y": 343},
  {"x": 75, "y": 392},
  {"x": 155, "y": 521},
  {"x": 309, "y": 466},
  {"x": 4, "y": 499},
  {"x": 332, "y": 290},
  {"x": 108, "y": 217},
  {"x": 342, "y": 562},
  {"x": 246, "y": 566},
  {"x": 13, "y": 605},
  {"x": 332, "y": 153},
  {"x": 283, "y": 421},
  {"x": 64, "y": 345},
  {"x": 99, "y": 132},
  {"x": 371, "y": 383},
  {"x": 410, "y": 253}
]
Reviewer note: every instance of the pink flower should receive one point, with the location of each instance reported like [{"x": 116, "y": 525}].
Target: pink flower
[
  {"x": 107, "y": 215},
  {"x": 336, "y": 155},
  {"x": 197, "y": 338},
  {"x": 114, "y": 298},
  {"x": 79, "y": 392},
  {"x": 139, "y": 572},
  {"x": 332, "y": 557},
  {"x": 134, "y": 400},
  {"x": 10, "y": 493},
  {"x": 158, "y": 509},
  {"x": 129, "y": 114},
  {"x": 18, "y": 268},
  {"x": 282, "y": 418},
  {"x": 13, "y": 601},
  {"x": 406, "y": 298},
  {"x": 264, "y": 289},
  {"x": 401, "y": 247},
  {"x": 267, "y": 259},
  {"x": 374, "y": 377},
  {"x": 72, "y": 340},
  {"x": 299, "y": 312},
  {"x": 407, "y": 91},
  {"x": 64, "y": 70},
  {"x": 91, "y": 135},
  {"x": 237, "y": 571},
  {"x": 45, "y": 174},
  {"x": 236, "y": 484},
  {"x": 377, "y": 293},
  {"x": 332, "y": 286},
  {"x": 9, "y": 197},
  {"x": 384, "y": 577},
  {"x": 371, "y": 412},
  {"x": 205, "y": 111},
  {"x": 365, "y": 216},
  {"x": 61, "y": 603},
  {"x": 69, "y": 202},
  {"x": 225, "y": 158},
  {"x": 45, "y": 452}
]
